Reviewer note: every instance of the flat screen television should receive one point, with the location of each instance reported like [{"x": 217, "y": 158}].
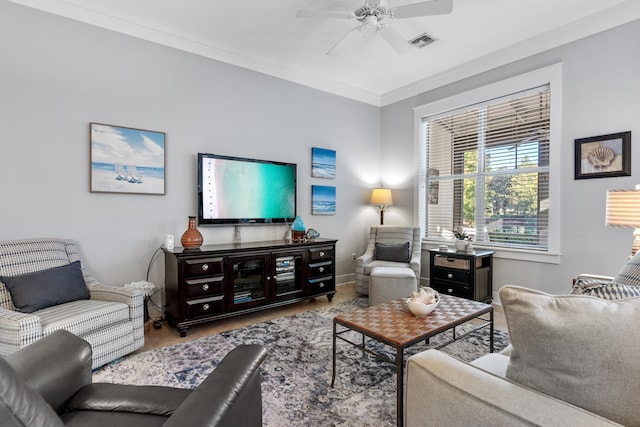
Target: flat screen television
[{"x": 237, "y": 190}]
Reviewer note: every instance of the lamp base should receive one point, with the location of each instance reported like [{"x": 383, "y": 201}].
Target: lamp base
[
  {"x": 381, "y": 216},
  {"x": 636, "y": 241}
]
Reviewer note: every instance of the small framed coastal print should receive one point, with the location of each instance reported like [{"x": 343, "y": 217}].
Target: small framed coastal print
[
  {"x": 323, "y": 200},
  {"x": 323, "y": 163},
  {"x": 126, "y": 160},
  {"x": 603, "y": 156}
]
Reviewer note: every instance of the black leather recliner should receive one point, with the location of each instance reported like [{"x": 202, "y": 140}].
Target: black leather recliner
[{"x": 48, "y": 383}]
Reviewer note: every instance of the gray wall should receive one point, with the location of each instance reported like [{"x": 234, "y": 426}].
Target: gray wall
[
  {"x": 58, "y": 75},
  {"x": 601, "y": 94}
]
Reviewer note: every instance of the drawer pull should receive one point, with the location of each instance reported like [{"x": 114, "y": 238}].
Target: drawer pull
[
  {"x": 321, "y": 285},
  {"x": 322, "y": 253},
  {"x": 450, "y": 276},
  {"x": 205, "y": 267},
  {"x": 450, "y": 291},
  {"x": 205, "y": 287},
  {"x": 321, "y": 269},
  {"x": 205, "y": 307}
]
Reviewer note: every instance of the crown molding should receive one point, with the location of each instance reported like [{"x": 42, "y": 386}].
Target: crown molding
[
  {"x": 134, "y": 27},
  {"x": 620, "y": 14}
]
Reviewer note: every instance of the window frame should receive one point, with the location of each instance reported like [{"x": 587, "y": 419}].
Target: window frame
[{"x": 551, "y": 75}]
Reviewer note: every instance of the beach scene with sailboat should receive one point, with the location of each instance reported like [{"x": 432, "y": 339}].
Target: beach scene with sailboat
[{"x": 127, "y": 160}]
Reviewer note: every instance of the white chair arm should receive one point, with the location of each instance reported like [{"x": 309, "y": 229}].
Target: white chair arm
[
  {"x": 134, "y": 298},
  {"x": 18, "y": 330},
  {"x": 363, "y": 259},
  {"x": 588, "y": 276}
]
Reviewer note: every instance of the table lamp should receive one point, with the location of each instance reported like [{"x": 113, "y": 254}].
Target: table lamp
[
  {"x": 623, "y": 210},
  {"x": 381, "y": 197}
]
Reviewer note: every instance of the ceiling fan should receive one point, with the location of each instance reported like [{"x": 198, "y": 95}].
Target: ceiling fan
[{"x": 371, "y": 17}]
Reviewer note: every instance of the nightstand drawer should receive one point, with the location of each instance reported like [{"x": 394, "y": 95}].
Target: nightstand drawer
[
  {"x": 203, "y": 266},
  {"x": 203, "y": 287},
  {"x": 452, "y": 289},
  {"x": 461, "y": 276},
  {"x": 457, "y": 263}
]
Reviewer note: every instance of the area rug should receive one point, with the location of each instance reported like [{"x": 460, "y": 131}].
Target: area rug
[{"x": 297, "y": 372}]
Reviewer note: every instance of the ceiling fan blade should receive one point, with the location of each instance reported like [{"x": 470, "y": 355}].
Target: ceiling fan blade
[
  {"x": 323, "y": 14},
  {"x": 426, "y": 8},
  {"x": 347, "y": 42},
  {"x": 395, "y": 39}
]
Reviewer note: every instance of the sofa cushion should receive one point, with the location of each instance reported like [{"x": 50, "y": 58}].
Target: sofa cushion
[
  {"x": 577, "y": 348},
  {"x": 629, "y": 275},
  {"x": 604, "y": 289},
  {"x": 35, "y": 291},
  {"x": 395, "y": 252}
]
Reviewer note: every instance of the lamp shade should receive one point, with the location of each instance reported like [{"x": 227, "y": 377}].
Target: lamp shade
[
  {"x": 381, "y": 196},
  {"x": 623, "y": 208}
]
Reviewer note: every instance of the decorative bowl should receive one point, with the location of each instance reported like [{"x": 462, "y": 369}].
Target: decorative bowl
[{"x": 420, "y": 309}]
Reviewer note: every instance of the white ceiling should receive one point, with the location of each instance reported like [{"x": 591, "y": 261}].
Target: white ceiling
[{"x": 266, "y": 36}]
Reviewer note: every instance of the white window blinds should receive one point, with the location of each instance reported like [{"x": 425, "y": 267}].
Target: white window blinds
[{"x": 487, "y": 171}]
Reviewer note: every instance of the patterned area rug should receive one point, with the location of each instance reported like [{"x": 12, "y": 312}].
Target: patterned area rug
[{"x": 297, "y": 371}]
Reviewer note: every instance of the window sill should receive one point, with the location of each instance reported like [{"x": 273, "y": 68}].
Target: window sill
[{"x": 505, "y": 253}]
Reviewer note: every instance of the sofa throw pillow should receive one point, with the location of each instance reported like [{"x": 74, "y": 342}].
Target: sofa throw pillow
[
  {"x": 629, "y": 275},
  {"x": 605, "y": 290},
  {"x": 577, "y": 348},
  {"x": 396, "y": 253},
  {"x": 41, "y": 289}
]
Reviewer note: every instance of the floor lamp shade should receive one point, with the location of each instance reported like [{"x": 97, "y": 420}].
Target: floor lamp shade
[
  {"x": 623, "y": 210},
  {"x": 381, "y": 197}
]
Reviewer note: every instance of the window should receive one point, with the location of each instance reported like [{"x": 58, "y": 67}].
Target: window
[{"x": 486, "y": 168}]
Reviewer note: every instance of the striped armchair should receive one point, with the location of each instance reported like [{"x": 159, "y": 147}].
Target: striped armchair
[
  {"x": 111, "y": 320},
  {"x": 388, "y": 235}
]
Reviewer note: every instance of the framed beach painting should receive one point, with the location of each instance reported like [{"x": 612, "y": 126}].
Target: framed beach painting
[
  {"x": 323, "y": 163},
  {"x": 323, "y": 200},
  {"x": 127, "y": 160}
]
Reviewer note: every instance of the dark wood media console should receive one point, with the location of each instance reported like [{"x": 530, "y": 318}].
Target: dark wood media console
[{"x": 219, "y": 281}]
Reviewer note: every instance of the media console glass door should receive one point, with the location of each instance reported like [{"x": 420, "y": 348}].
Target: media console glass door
[
  {"x": 287, "y": 276},
  {"x": 249, "y": 280}
]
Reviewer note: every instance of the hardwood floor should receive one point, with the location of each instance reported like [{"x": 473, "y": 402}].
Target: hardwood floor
[{"x": 168, "y": 335}]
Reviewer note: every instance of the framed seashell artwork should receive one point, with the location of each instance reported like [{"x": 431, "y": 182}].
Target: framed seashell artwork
[{"x": 603, "y": 156}]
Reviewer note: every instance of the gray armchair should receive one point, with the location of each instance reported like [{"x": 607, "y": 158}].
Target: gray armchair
[
  {"x": 388, "y": 235},
  {"x": 49, "y": 384},
  {"x": 45, "y": 275}
]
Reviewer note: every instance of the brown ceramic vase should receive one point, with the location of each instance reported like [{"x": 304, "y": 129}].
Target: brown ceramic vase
[{"x": 191, "y": 238}]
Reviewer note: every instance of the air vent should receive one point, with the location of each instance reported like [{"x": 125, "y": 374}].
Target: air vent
[{"x": 422, "y": 40}]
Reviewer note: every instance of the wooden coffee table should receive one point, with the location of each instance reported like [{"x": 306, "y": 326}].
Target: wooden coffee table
[{"x": 392, "y": 323}]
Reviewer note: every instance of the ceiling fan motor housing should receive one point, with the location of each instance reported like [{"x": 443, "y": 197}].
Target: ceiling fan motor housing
[{"x": 364, "y": 12}]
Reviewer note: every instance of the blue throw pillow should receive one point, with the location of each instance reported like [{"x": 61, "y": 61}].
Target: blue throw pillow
[
  {"x": 396, "y": 253},
  {"x": 35, "y": 291}
]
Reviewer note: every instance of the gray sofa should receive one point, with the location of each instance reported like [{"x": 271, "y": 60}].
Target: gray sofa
[
  {"x": 39, "y": 284},
  {"x": 48, "y": 384},
  {"x": 572, "y": 362}
]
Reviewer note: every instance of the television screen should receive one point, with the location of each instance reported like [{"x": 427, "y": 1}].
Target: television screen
[{"x": 236, "y": 190}]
